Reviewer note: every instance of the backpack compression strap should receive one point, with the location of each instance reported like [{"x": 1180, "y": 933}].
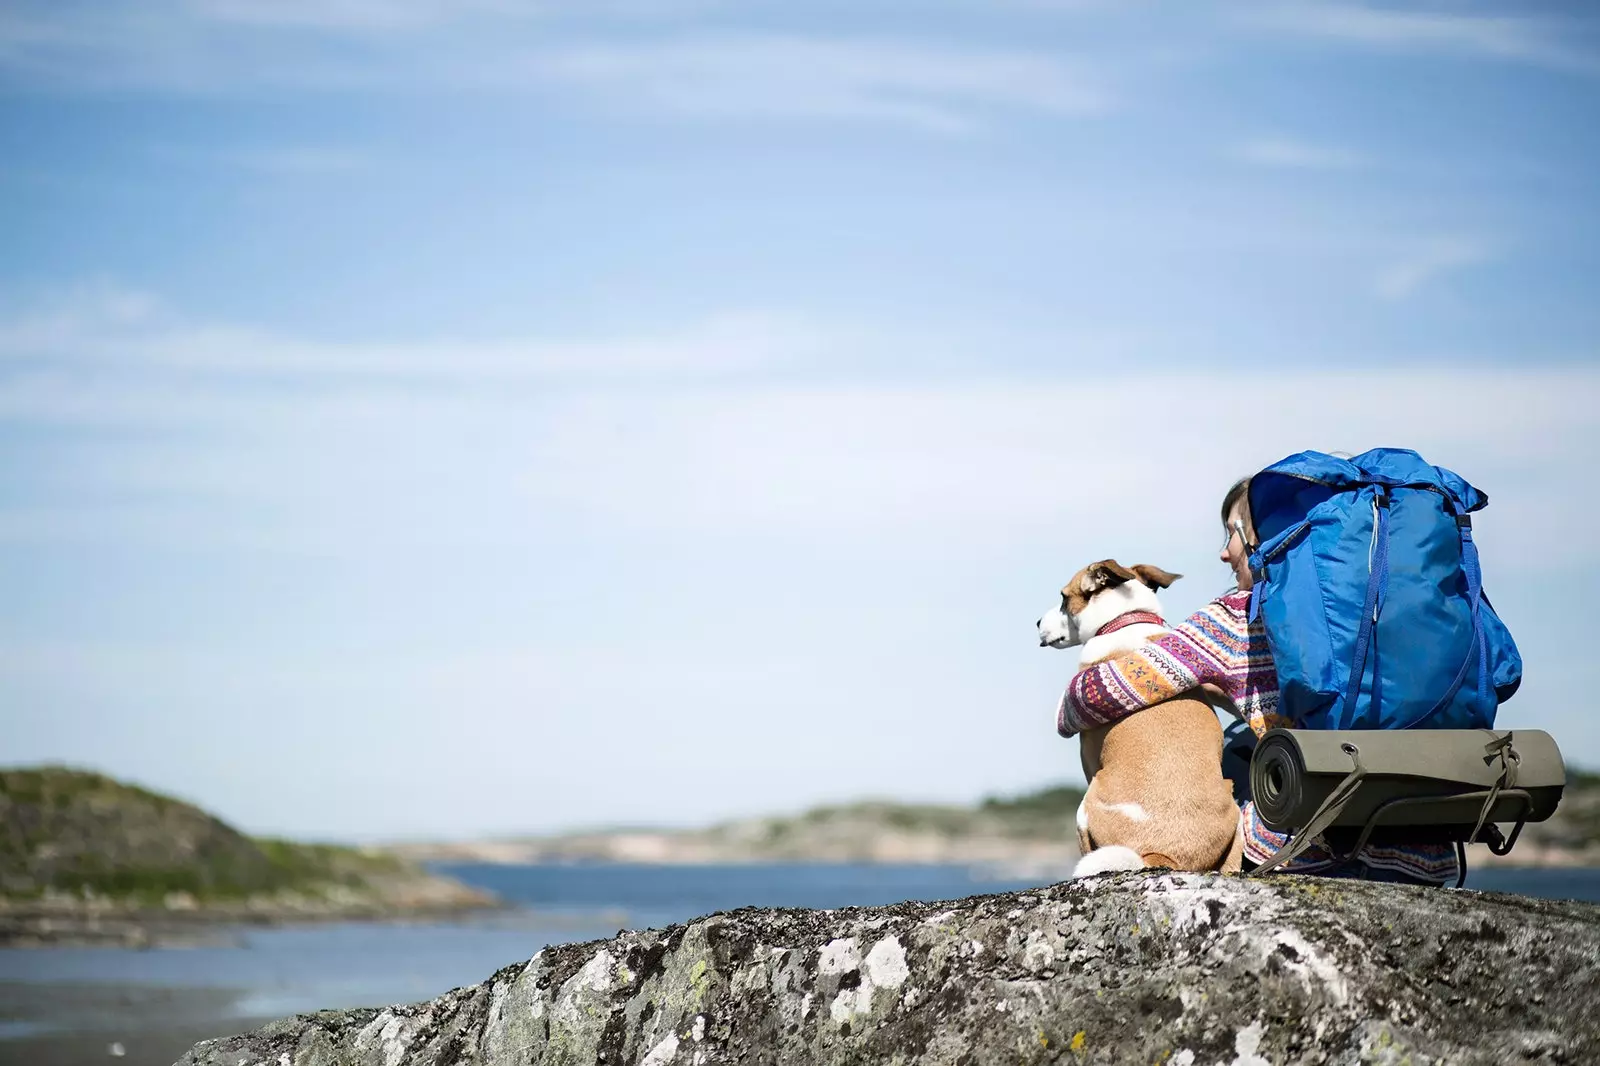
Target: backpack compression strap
[
  {"x": 1325, "y": 815},
  {"x": 1377, "y": 585}
]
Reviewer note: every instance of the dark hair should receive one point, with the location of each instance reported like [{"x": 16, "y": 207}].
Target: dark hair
[{"x": 1238, "y": 492}]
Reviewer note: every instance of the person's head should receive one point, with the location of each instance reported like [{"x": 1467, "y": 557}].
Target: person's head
[{"x": 1239, "y": 530}]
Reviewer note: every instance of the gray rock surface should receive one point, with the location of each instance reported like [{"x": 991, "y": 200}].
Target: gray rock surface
[{"x": 1175, "y": 969}]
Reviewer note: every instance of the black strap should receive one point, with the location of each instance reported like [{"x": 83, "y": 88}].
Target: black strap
[{"x": 1499, "y": 747}]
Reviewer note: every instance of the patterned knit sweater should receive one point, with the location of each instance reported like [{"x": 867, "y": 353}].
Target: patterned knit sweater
[{"x": 1217, "y": 645}]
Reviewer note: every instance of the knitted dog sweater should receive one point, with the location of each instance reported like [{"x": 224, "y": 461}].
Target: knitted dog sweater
[{"x": 1217, "y": 645}]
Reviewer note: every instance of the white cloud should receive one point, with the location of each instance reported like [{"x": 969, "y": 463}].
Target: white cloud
[
  {"x": 1292, "y": 154},
  {"x": 1427, "y": 261},
  {"x": 269, "y": 160},
  {"x": 364, "y": 16},
  {"x": 326, "y": 437},
  {"x": 1514, "y": 37},
  {"x": 129, "y": 332},
  {"x": 968, "y": 460},
  {"x": 944, "y": 89},
  {"x": 296, "y": 161},
  {"x": 209, "y": 46},
  {"x": 367, "y": 17}
]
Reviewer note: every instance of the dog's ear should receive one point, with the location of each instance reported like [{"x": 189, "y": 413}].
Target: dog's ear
[
  {"x": 1154, "y": 576},
  {"x": 1107, "y": 573}
]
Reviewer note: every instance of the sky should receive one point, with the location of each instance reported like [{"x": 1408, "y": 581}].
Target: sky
[{"x": 425, "y": 419}]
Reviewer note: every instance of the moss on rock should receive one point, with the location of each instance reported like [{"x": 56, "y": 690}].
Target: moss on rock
[{"x": 1173, "y": 969}]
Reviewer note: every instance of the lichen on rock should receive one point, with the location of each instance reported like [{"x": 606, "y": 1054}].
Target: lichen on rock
[{"x": 1166, "y": 968}]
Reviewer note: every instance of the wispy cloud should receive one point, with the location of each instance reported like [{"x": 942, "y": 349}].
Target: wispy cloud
[
  {"x": 1293, "y": 154},
  {"x": 164, "y": 47},
  {"x": 130, "y": 333},
  {"x": 1428, "y": 261},
  {"x": 349, "y": 15},
  {"x": 1558, "y": 44},
  {"x": 396, "y": 16},
  {"x": 214, "y": 46},
  {"x": 718, "y": 453},
  {"x": 278, "y": 160},
  {"x": 944, "y": 89},
  {"x": 297, "y": 161}
]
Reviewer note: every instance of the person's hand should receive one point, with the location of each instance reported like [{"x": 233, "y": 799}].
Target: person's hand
[{"x": 1218, "y": 698}]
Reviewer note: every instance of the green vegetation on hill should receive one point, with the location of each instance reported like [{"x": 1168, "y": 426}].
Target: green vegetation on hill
[
  {"x": 1583, "y": 778},
  {"x": 867, "y": 829},
  {"x": 1038, "y": 824},
  {"x": 78, "y": 832},
  {"x": 1047, "y": 806},
  {"x": 1575, "y": 827},
  {"x": 1047, "y": 813},
  {"x": 1026, "y": 815}
]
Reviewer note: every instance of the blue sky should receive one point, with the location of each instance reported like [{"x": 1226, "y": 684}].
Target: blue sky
[{"x": 440, "y": 419}]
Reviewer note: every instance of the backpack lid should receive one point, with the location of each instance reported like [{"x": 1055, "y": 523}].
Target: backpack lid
[{"x": 1281, "y": 484}]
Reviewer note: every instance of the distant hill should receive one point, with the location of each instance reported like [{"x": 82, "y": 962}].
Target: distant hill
[
  {"x": 77, "y": 845},
  {"x": 1035, "y": 830},
  {"x": 1031, "y": 832},
  {"x": 1572, "y": 835}
]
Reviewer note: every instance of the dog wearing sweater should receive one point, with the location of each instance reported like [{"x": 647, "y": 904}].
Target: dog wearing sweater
[{"x": 1156, "y": 793}]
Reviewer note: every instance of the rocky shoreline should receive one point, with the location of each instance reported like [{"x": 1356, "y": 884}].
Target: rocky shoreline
[
  {"x": 1031, "y": 832},
  {"x": 61, "y": 920},
  {"x": 1006, "y": 856},
  {"x": 1177, "y": 969},
  {"x": 697, "y": 848}
]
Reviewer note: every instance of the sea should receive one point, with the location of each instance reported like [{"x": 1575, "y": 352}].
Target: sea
[{"x": 257, "y": 973}]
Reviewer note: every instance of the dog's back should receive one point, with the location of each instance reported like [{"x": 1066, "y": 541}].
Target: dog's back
[{"x": 1156, "y": 788}]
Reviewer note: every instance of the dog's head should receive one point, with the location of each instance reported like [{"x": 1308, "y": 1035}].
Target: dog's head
[{"x": 1097, "y": 594}]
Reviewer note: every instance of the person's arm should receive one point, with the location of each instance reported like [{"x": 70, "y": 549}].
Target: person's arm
[{"x": 1216, "y": 646}]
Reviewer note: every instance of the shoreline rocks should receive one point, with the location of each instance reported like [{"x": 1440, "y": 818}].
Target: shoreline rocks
[
  {"x": 1170, "y": 968},
  {"x": 60, "y": 919}
]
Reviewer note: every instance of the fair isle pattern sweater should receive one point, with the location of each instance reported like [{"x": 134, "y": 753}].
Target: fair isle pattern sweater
[{"x": 1217, "y": 645}]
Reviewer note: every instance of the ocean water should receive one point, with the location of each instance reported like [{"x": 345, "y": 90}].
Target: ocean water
[{"x": 273, "y": 972}]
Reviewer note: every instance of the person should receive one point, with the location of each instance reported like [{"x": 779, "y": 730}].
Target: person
[{"x": 1217, "y": 649}]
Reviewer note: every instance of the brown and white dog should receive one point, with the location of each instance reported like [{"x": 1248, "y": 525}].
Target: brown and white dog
[{"x": 1156, "y": 793}]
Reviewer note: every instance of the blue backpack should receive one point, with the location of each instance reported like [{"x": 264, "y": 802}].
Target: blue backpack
[{"x": 1368, "y": 581}]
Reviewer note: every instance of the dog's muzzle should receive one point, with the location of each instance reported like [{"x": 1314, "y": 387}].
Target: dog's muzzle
[{"x": 1055, "y": 631}]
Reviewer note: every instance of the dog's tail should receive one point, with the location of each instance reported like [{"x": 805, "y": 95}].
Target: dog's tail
[{"x": 1107, "y": 859}]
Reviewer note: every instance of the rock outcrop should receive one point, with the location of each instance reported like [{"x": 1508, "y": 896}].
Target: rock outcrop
[
  {"x": 87, "y": 859},
  {"x": 1174, "y": 969}
]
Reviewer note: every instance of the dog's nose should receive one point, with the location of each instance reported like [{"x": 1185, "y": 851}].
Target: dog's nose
[{"x": 1037, "y": 622}]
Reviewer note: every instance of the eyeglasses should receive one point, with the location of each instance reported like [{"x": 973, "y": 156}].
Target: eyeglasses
[{"x": 1235, "y": 529}]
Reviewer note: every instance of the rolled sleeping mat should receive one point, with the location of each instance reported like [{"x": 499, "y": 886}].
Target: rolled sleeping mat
[{"x": 1294, "y": 770}]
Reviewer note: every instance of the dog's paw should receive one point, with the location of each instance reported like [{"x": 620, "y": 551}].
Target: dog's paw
[{"x": 1106, "y": 860}]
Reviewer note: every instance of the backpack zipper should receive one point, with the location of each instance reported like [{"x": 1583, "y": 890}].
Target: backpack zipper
[
  {"x": 1288, "y": 539},
  {"x": 1372, "y": 545},
  {"x": 1372, "y": 548}
]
